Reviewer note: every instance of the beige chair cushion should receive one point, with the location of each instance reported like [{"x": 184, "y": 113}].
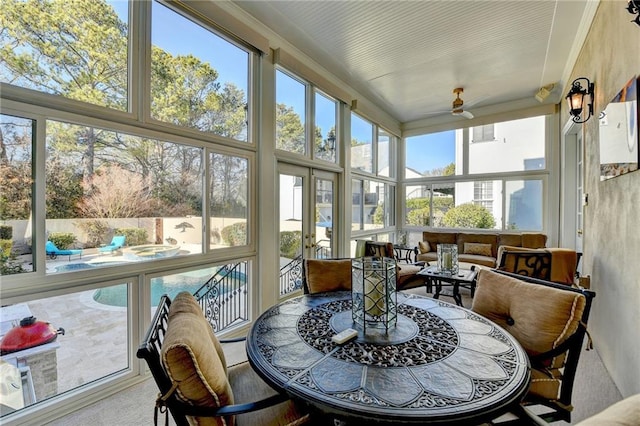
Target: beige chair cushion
[
  {"x": 622, "y": 413},
  {"x": 192, "y": 361},
  {"x": 435, "y": 238},
  {"x": 539, "y": 317},
  {"x": 424, "y": 247},
  {"x": 185, "y": 302},
  {"x": 533, "y": 240},
  {"x": 510, "y": 240},
  {"x": 563, "y": 265},
  {"x": 327, "y": 274}
]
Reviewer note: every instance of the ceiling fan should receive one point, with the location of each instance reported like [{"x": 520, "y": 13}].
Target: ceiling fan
[{"x": 458, "y": 103}]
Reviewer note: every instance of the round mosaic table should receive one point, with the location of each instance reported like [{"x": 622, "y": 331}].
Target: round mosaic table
[{"x": 441, "y": 364}]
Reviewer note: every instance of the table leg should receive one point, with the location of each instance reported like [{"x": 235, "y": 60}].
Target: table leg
[
  {"x": 456, "y": 293},
  {"x": 438, "y": 285}
]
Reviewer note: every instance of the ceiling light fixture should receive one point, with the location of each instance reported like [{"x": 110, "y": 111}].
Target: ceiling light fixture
[
  {"x": 576, "y": 100},
  {"x": 634, "y": 8}
]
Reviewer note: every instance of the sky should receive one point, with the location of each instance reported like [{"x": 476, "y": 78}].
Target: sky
[{"x": 170, "y": 30}]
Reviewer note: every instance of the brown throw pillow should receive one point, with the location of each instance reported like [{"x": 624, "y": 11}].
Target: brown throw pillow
[
  {"x": 327, "y": 275},
  {"x": 477, "y": 248}
]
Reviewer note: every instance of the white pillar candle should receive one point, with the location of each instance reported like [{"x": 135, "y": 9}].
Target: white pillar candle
[
  {"x": 373, "y": 298},
  {"x": 447, "y": 261}
]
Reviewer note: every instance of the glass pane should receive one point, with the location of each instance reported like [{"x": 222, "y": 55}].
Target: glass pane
[
  {"x": 325, "y": 133},
  {"x": 92, "y": 326},
  {"x": 324, "y": 218},
  {"x": 384, "y": 153},
  {"x": 524, "y": 205},
  {"x": 418, "y": 205},
  {"x": 290, "y": 114},
  {"x": 478, "y": 205},
  {"x": 357, "y": 204},
  {"x": 201, "y": 85},
  {"x": 113, "y": 198},
  {"x": 228, "y": 195},
  {"x": 291, "y": 204},
  {"x": 361, "y": 144},
  {"x": 76, "y": 52},
  {"x": 443, "y": 200},
  {"x": 435, "y": 154},
  {"x": 374, "y": 204},
  {"x": 519, "y": 144},
  {"x": 16, "y": 194},
  {"x": 221, "y": 290}
]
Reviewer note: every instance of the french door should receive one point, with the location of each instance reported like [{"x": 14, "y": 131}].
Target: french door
[{"x": 306, "y": 226}]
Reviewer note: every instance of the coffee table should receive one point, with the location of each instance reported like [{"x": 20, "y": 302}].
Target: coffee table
[{"x": 464, "y": 278}]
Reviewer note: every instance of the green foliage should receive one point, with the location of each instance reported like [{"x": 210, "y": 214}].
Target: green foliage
[
  {"x": 8, "y": 264},
  {"x": 289, "y": 130},
  {"x": 62, "y": 240},
  {"x": 290, "y": 243},
  {"x": 96, "y": 231},
  {"x": 5, "y": 247},
  {"x": 419, "y": 217},
  {"x": 235, "y": 235},
  {"x": 133, "y": 236},
  {"x": 6, "y": 232},
  {"x": 469, "y": 215},
  {"x": 15, "y": 190},
  {"x": 63, "y": 190}
]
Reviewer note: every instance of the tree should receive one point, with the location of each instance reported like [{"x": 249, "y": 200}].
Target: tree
[
  {"x": 469, "y": 215},
  {"x": 115, "y": 193},
  {"x": 80, "y": 52},
  {"x": 289, "y": 130}
]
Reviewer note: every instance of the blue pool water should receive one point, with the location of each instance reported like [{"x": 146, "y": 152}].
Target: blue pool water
[{"x": 171, "y": 285}]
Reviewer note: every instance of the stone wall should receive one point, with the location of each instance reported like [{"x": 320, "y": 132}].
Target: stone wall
[{"x": 610, "y": 57}]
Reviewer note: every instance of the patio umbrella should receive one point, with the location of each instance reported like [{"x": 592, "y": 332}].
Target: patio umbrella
[{"x": 183, "y": 225}]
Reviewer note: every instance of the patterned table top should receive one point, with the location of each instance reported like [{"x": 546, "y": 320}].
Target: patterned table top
[{"x": 441, "y": 364}]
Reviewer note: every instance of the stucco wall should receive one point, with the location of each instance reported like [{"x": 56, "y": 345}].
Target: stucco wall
[{"x": 610, "y": 57}]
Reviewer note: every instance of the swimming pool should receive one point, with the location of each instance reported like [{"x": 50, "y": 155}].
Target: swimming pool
[{"x": 170, "y": 284}]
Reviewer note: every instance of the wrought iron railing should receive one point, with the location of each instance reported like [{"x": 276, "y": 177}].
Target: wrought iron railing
[
  {"x": 223, "y": 298},
  {"x": 291, "y": 273},
  {"x": 291, "y": 276}
]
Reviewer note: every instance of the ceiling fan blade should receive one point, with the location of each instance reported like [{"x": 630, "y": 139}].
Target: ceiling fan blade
[{"x": 460, "y": 112}]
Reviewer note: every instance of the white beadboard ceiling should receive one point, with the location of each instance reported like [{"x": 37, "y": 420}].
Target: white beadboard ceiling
[{"x": 408, "y": 56}]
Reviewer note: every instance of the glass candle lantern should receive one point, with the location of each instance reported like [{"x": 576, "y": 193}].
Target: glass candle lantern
[
  {"x": 373, "y": 292},
  {"x": 448, "y": 258}
]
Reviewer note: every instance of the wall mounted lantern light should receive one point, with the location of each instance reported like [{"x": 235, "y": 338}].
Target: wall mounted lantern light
[
  {"x": 576, "y": 98},
  {"x": 634, "y": 8}
]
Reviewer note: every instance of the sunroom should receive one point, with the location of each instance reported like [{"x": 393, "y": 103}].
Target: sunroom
[{"x": 204, "y": 138}]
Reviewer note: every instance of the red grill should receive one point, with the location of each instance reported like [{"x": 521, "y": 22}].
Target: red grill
[{"x": 28, "y": 334}]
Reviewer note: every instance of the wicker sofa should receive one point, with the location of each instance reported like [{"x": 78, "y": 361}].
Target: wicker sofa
[{"x": 477, "y": 248}]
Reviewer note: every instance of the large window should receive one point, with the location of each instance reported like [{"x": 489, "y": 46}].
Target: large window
[
  {"x": 372, "y": 205},
  {"x": 76, "y": 51},
  {"x": 361, "y": 144},
  {"x": 298, "y": 130},
  {"x": 442, "y": 189},
  {"x": 16, "y": 194},
  {"x": 199, "y": 85},
  {"x": 110, "y": 191}
]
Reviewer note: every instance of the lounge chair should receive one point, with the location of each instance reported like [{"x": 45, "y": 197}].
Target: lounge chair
[
  {"x": 53, "y": 251},
  {"x": 116, "y": 243}
]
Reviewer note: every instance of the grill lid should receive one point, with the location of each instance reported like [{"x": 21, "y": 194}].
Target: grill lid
[{"x": 28, "y": 334}]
